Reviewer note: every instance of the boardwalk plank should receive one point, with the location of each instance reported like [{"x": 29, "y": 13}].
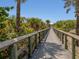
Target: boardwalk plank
[{"x": 51, "y": 49}]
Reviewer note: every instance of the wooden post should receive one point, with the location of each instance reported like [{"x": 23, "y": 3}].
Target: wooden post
[
  {"x": 62, "y": 38},
  {"x": 44, "y": 34},
  {"x": 39, "y": 37},
  {"x": 29, "y": 48},
  {"x": 66, "y": 47},
  {"x": 13, "y": 52},
  {"x": 46, "y": 31},
  {"x": 73, "y": 48},
  {"x": 36, "y": 41},
  {"x": 59, "y": 36}
]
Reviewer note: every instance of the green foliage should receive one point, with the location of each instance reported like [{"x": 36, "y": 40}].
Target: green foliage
[
  {"x": 2, "y": 25},
  {"x": 72, "y": 3},
  {"x": 8, "y": 29},
  {"x": 65, "y": 25},
  {"x": 69, "y": 4},
  {"x": 8, "y": 25},
  {"x": 29, "y": 30},
  {"x": 48, "y": 22},
  {"x": 4, "y": 11},
  {"x": 35, "y": 23},
  {"x": 4, "y": 14}
]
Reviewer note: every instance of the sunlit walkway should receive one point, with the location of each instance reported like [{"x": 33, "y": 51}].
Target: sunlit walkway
[{"x": 51, "y": 49}]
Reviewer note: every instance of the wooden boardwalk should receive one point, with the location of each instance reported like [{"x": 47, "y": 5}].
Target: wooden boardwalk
[{"x": 51, "y": 49}]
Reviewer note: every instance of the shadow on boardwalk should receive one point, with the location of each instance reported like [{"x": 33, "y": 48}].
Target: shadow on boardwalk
[
  {"x": 48, "y": 50},
  {"x": 51, "y": 48}
]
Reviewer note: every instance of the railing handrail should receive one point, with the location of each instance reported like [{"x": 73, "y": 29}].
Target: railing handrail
[
  {"x": 63, "y": 36},
  {"x": 68, "y": 34},
  {"x": 15, "y": 40}
]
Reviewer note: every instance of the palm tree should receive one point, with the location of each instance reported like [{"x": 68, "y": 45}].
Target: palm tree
[
  {"x": 18, "y": 14},
  {"x": 75, "y": 3},
  {"x": 34, "y": 23},
  {"x": 48, "y": 22}
]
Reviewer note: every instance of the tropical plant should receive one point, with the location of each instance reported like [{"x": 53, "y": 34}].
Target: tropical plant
[
  {"x": 4, "y": 13},
  {"x": 75, "y": 4},
  {"x": 34, "y": 23},
  {"x": 68, "y": 25},
  {"x": 18, "y": 14},
  {"x": 48, "y": 22}
]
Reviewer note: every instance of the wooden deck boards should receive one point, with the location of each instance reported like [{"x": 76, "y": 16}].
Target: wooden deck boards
[{"x": 51, "y": 49}]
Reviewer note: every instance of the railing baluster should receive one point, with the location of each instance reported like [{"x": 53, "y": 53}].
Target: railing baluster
[
  {"x": 43, "y": 34},
  {"x": 36, "y": 41},
  {"x": 62, "y": 38},
  {"x": 29, "y": 48},
  {"x": 66, "y": 47},
  {"x": 46, "y": 33},
  {"x": 58, "y": 34},
  {"x": 39, "y": 37},
  {"x": 12, "y": 49},
  {"x": 65, "y": 40},
  {"x": 13, "y": 52},
  {"x": 73, "y": 48}
]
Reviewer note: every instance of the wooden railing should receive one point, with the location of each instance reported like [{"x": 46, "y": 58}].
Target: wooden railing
[
  {"x": 64, "y": 38},
  {"x": 22, "y": 47}
]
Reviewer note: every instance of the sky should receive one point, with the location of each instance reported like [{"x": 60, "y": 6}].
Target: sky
[{"x": 44, "y": 9}]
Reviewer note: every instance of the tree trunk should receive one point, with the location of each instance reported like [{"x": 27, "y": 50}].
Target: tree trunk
[
  {"x": 77, "y": 20},
  {"x": 18, "y": 16},
  {"x": 77, "y": 25},
  {"x": 77, "y": 29}
]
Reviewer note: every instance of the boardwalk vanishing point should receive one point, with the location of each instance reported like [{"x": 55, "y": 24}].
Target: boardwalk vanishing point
[{"x": 51, "y": 48}]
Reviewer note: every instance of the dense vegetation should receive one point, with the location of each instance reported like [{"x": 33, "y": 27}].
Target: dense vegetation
[
  {"x": 65, "y": 25},
  {"x": 75, "y": 4},
  {"x": 14, "y": 26},
  {"x": 8, "y": 25}
]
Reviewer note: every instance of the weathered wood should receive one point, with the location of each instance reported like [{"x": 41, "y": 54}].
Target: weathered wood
[
  {"x": 51, "y": 48},
  {"x": 13, "y": 51},
  {"x": 62, "y": 38},
  {"x": 29, "y": 48},
  {"x": 39, "y": 37},
  {"x": 68, "y": 34},
  {"x": 36, "y": 41},
  {"x": 15, "y": 40},
  {"x": 21, "y": 51},
  {"x": 12, "y": 44},
  {"x": 73, "y": 48},
  {"x": 66, "y": 47},
  {"x": 74, "y": 38},
  {"x": 42, "y": 35}
]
